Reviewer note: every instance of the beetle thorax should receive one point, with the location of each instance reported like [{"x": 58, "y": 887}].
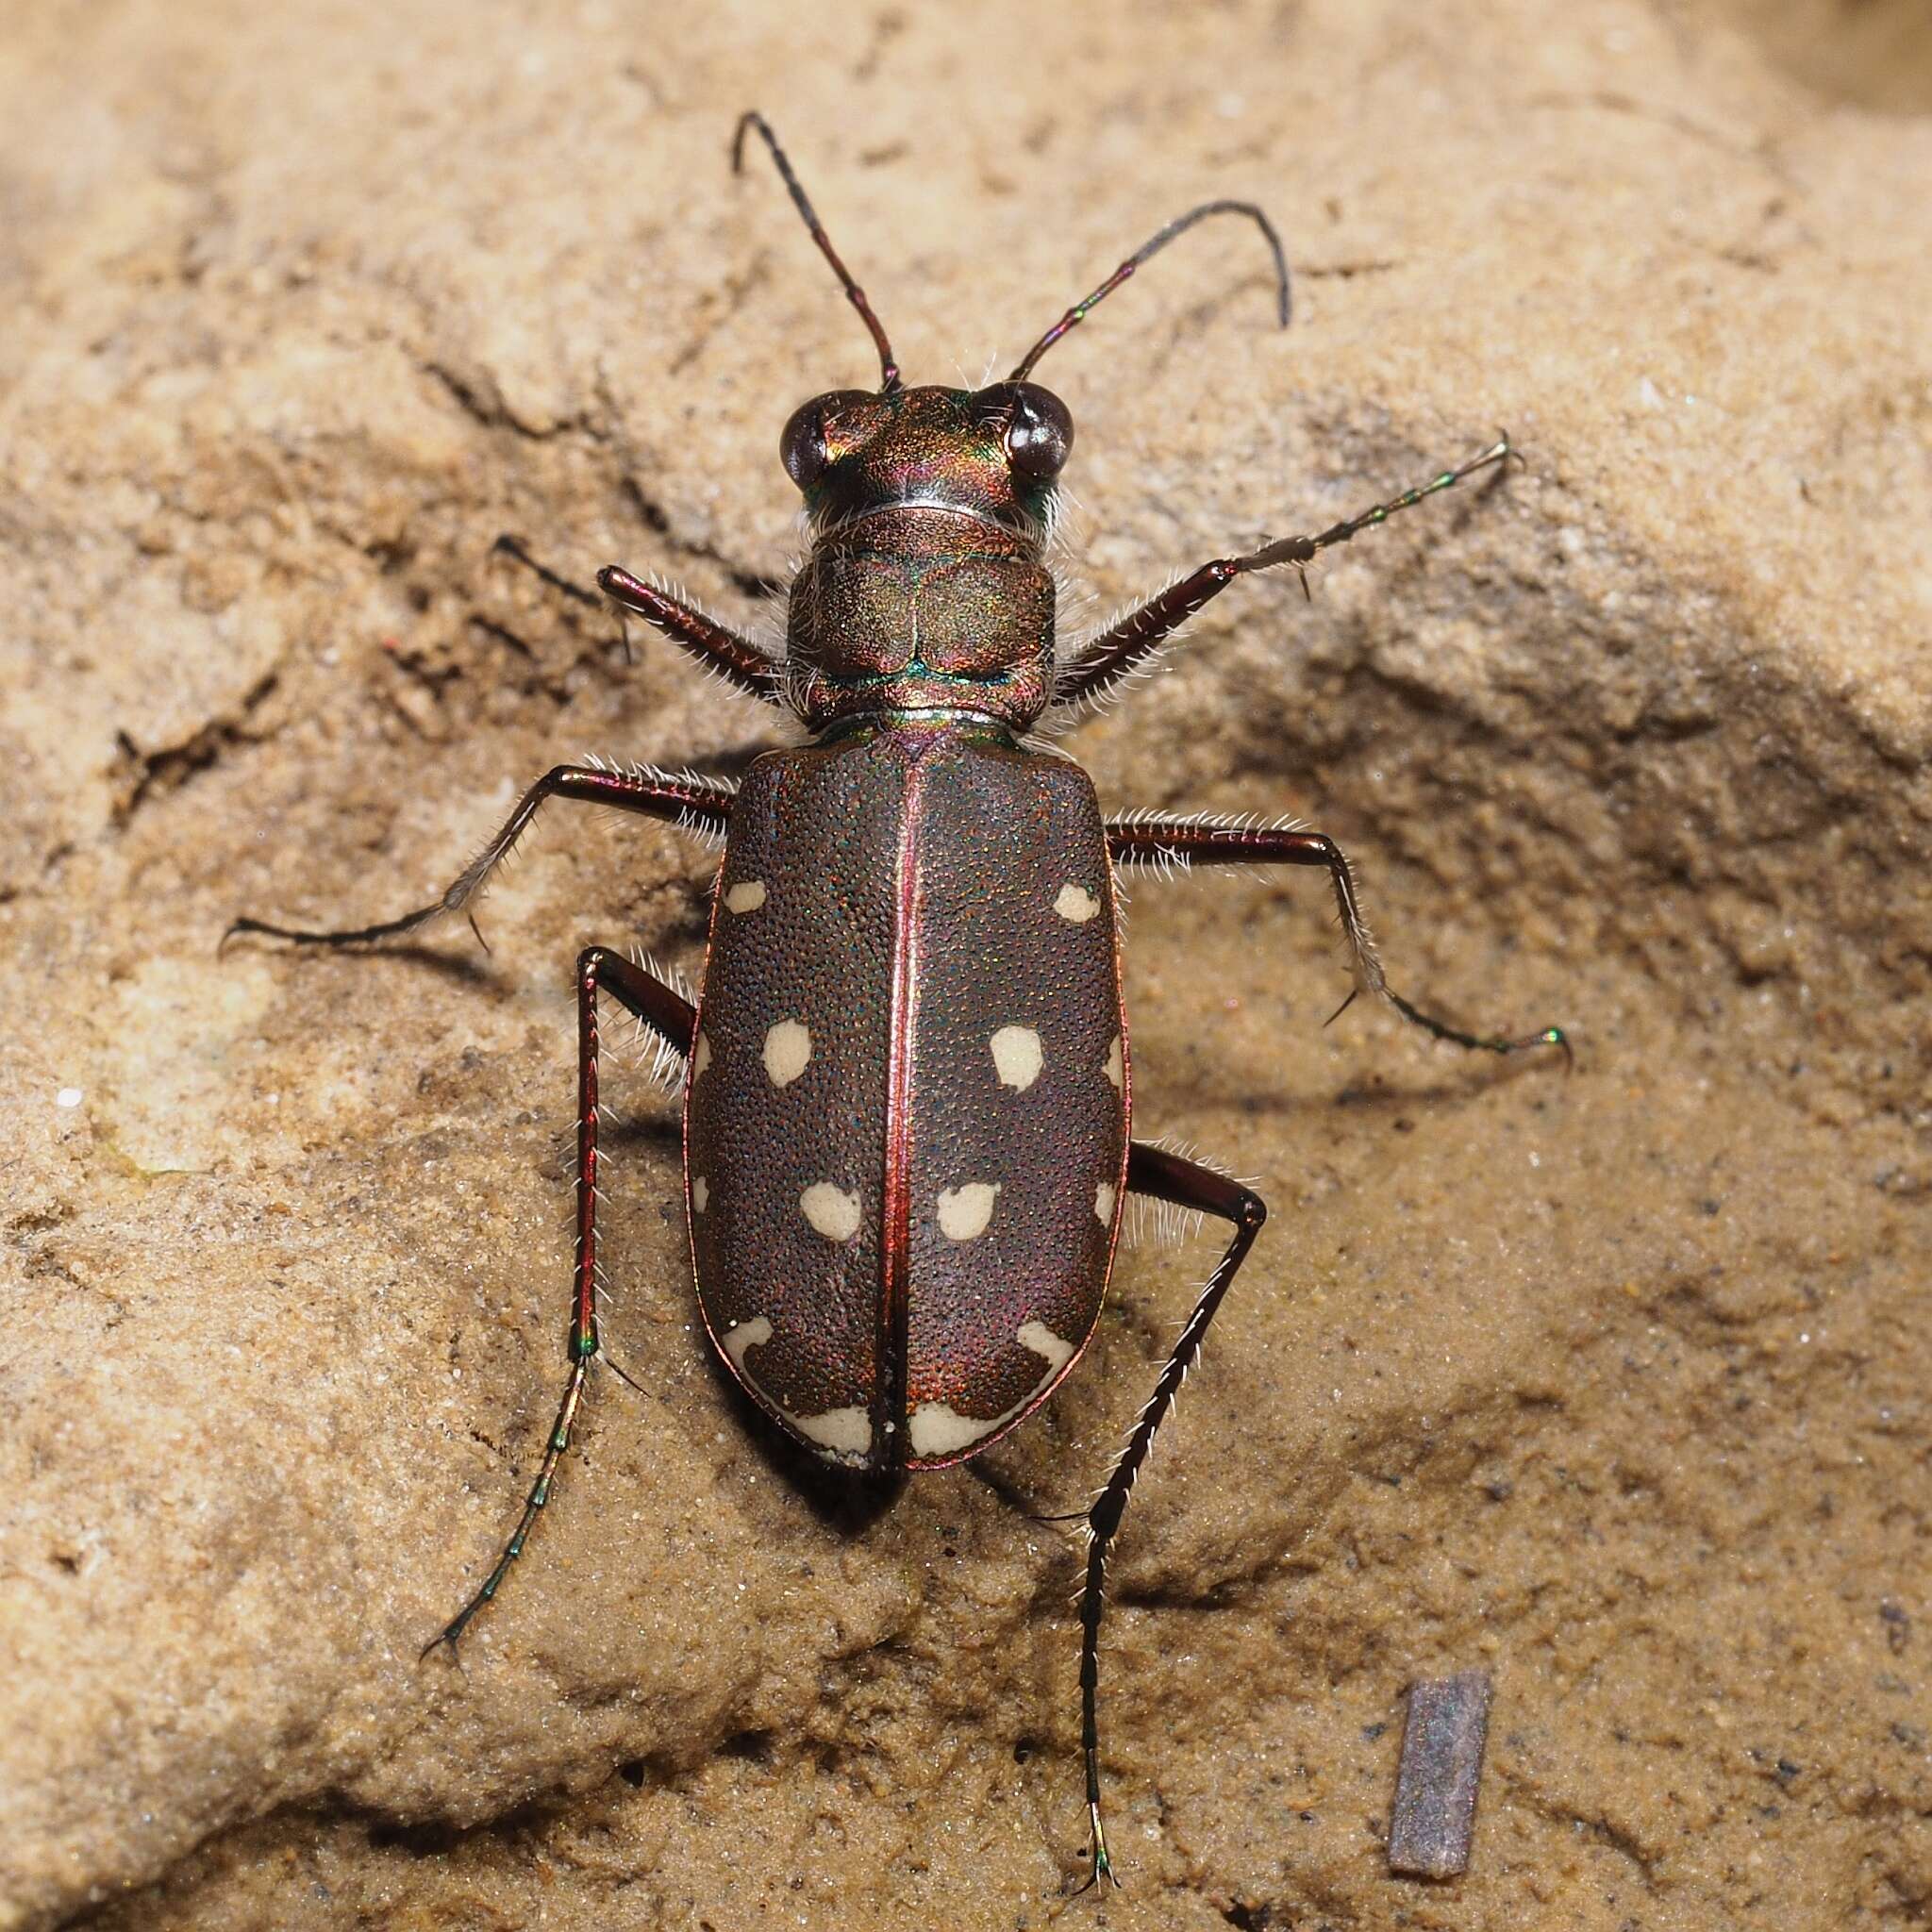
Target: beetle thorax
[
  {"x": 915, "y": 608},
  {"x": 926, "y": 589}
]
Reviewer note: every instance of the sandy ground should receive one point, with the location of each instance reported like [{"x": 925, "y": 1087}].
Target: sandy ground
[{"x": 1615, "y": 1385}]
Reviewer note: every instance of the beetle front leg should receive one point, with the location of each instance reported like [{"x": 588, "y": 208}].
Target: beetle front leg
[
  {"x": 1184, "y": 841},
  {"x": 735, "y": 658},
  {"x": 1103, "y": 660},
  {"x": 1186, "y": 1184},
  {"x": 715, "y": 646},
  {"x": 702, "y": 805},
  {"x": 668, "y": 1013}
]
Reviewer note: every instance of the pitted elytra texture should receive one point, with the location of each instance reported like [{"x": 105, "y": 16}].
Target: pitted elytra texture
[
  {"x": 817, "y": 956},
  {"x": 949, "y": 847},
  {"x": 998, "y": 829}
]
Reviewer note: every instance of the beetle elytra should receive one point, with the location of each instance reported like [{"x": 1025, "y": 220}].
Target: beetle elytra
[{"x": 907, "y": 1088}]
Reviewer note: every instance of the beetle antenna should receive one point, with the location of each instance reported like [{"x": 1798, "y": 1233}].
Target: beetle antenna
[
  {"x": 1179, "y": 225},
  {"x": 889, "y": 367}
]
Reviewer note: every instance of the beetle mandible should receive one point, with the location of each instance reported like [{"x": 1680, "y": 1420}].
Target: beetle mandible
[{"x": 907, "y": 1088}]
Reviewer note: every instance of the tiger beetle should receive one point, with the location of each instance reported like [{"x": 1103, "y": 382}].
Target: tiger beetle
[{"x": 907, "y": 1085}]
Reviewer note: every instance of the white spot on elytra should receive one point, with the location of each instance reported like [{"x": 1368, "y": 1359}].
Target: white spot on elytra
[
  {"x": 845, "y": 1432},
  {"x": 788, "y": 1047},
  {"x": 1114, "y": 1068},
  {"x": 845, "y": 1435},
  {"x": 937, "y": 1428},
  {"x": 700, "y": 1057},
  {"x": 964, "y": 1212},
  {"x": 745, "y": 1335},
  {"x": 68, "y": 1096},
  {"x": 1104, "y": 1197},
  {"x": 747, "y": 895},
  {"x": 1077, "y": 903},
  {"x": 1043, "y": 1341},
  {"x": 700, "y": 1194},
  {"x": 831, "y": 1210},
  {"x": 1017, "y": 1057}
]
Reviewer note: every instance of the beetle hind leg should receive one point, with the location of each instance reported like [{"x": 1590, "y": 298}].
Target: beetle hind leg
[
  {"x": 1189, "y": 1186},
  {"x": 667, "y": 1013}
]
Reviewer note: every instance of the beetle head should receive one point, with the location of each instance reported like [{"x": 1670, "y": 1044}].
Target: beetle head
[{"x": 991, "y": 453}]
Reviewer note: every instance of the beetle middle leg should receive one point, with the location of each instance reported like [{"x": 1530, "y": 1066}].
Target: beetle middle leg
[
  {"x": 673, "y": 1017},
  {"x": 699, "y": 804},
  {"x": 1186, "y": 1184},
  {"x": 1204, "y": 840}
]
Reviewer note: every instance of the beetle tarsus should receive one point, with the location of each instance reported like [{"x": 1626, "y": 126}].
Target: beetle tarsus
[
  {"x": 1101, "y": 1865},
  {"x": 356, "y": 936},
  {"x": 1477, "y": 1043},
  {"x": 1166, "y": 1177},
  {"x": 448, "y": 1636},
  {"x": 661, "y": 1006}
]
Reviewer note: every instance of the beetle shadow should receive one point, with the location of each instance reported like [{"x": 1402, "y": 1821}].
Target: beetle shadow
[
  {"x": 1452, "y": 1082},
  {"x": 1469, "y": 1082},
  {"x": 844, "y": 1502},
  {"x": 469, "y": 970}
]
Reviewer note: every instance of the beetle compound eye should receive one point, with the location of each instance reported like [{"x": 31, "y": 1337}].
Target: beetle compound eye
[
  {"x": 1041, "y": 435},
  {"x": 820, "y": 432},
  {"x": 1039, "y": 428},
  {"x": 801, "y": 448}
]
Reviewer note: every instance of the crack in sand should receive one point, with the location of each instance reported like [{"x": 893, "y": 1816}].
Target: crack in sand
[{"x": 167, "y": 768}]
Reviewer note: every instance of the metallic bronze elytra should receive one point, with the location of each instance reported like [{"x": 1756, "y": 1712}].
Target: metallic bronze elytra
[
  {"x": 905, "y": 1131},
  {"x": 908, "y": 1090}
]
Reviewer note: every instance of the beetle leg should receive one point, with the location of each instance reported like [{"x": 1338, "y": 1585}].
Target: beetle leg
[
  {"x": 1205, "y": 841},
  {"x": 735, "y": 658},
  {"x": 1186, "y": 1184},
  {"x": 1104, "y": 659},
  {"x": 697, "y": 805},
  {"x": 667, "y": 1012}
]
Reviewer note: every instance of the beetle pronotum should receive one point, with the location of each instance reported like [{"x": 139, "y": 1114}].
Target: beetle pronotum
[{"x": 908, "y": 1089}]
